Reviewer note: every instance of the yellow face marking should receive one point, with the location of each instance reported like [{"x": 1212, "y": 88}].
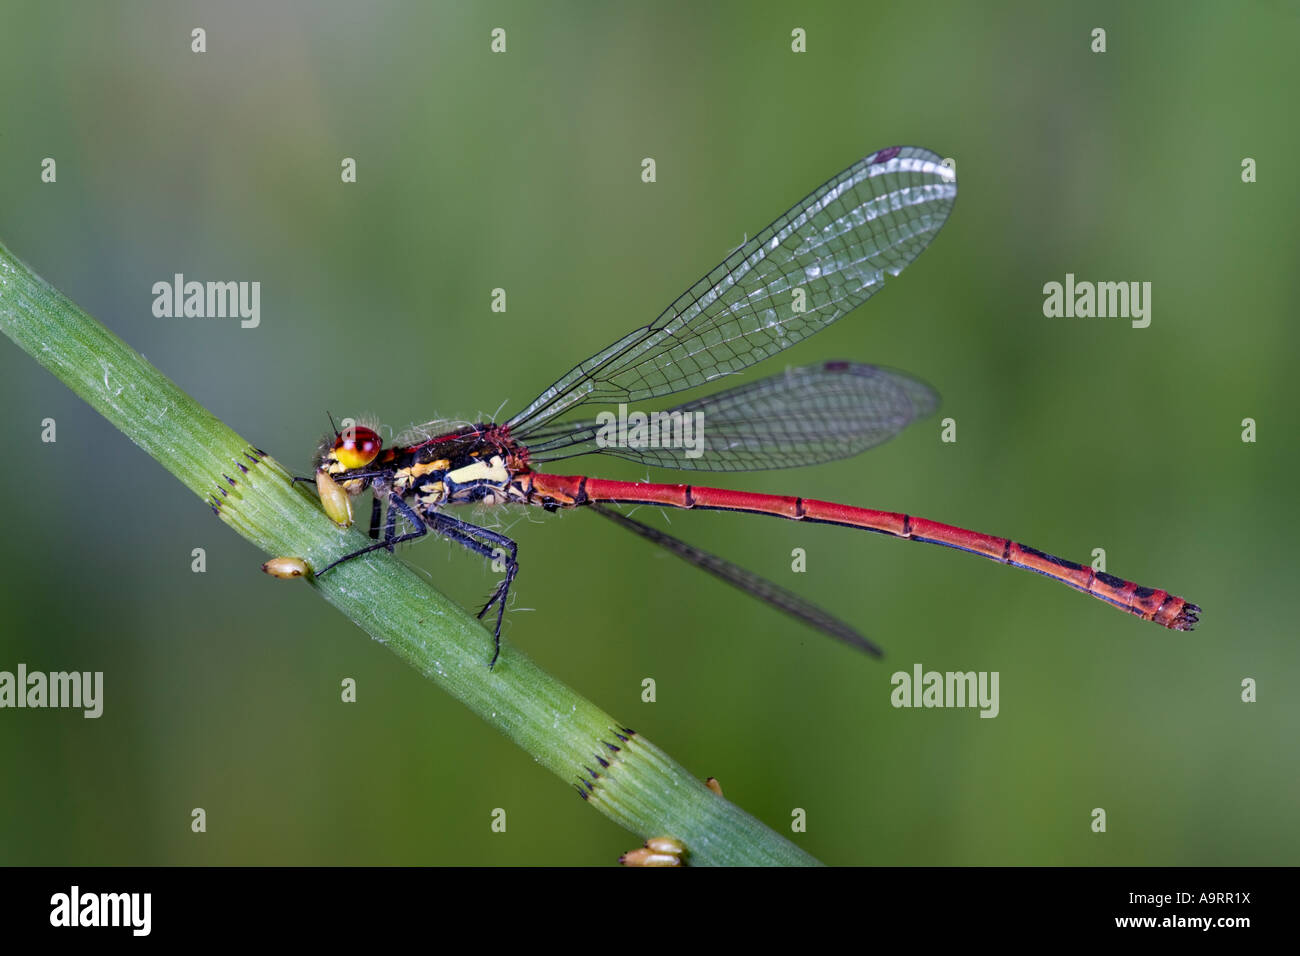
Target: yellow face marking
[{"x": 493, "y": 470}]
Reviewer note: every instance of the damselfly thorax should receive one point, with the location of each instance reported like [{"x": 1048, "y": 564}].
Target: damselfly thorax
[{"x": 469, "y": 465}]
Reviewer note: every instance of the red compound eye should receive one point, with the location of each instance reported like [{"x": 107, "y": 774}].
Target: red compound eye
[{"x": 357, "y": 447}]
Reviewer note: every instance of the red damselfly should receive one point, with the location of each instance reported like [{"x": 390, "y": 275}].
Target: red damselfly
[{"x": 822, "y": 258}]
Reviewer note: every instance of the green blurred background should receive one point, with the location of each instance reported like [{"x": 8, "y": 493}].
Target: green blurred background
[{"x": 522, "y": 171}]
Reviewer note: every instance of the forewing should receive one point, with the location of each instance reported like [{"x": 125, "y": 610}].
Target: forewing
[{"x": 823, "y": 257}]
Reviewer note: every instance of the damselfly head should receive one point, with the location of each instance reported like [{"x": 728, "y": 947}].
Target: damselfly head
[
  {"x": 354, "y": 447},
  {"x": 357, "y": 447}
]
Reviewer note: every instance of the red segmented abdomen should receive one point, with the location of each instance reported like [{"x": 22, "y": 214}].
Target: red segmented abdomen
[{"x": 1152, "y": 604}]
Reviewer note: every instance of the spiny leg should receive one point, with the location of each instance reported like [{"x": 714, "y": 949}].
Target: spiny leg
[
  {"x": 391, "y": 538},
  {"x": 353, "y": 476},
  {"x": 463, "y": 533},
  {"x": 467, "y": 535}
]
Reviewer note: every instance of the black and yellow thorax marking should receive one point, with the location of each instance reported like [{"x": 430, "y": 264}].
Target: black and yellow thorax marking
[{"x": 476, "y": 475}]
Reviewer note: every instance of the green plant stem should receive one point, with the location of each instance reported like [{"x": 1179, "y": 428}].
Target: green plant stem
[{"x": 621, "y": 774}]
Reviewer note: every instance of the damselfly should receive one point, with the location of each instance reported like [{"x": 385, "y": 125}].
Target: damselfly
[{"x": 825, "y": 256}]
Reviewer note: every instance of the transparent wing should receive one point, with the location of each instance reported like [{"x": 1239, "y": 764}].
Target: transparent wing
[
  {"x": 749, "y": 582},
  {"x": 802, "y": 416},
  {"x": 822, "y": 258}
]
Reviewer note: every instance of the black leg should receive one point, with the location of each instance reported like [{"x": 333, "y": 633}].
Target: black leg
[
  {"x": 482, "y": 541},
  {"x": 391, "y": 538},
  {"x": 376, "y": 513},
  {"x": 351, "y": 476},
  {"x": 492, "y": 542}
]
